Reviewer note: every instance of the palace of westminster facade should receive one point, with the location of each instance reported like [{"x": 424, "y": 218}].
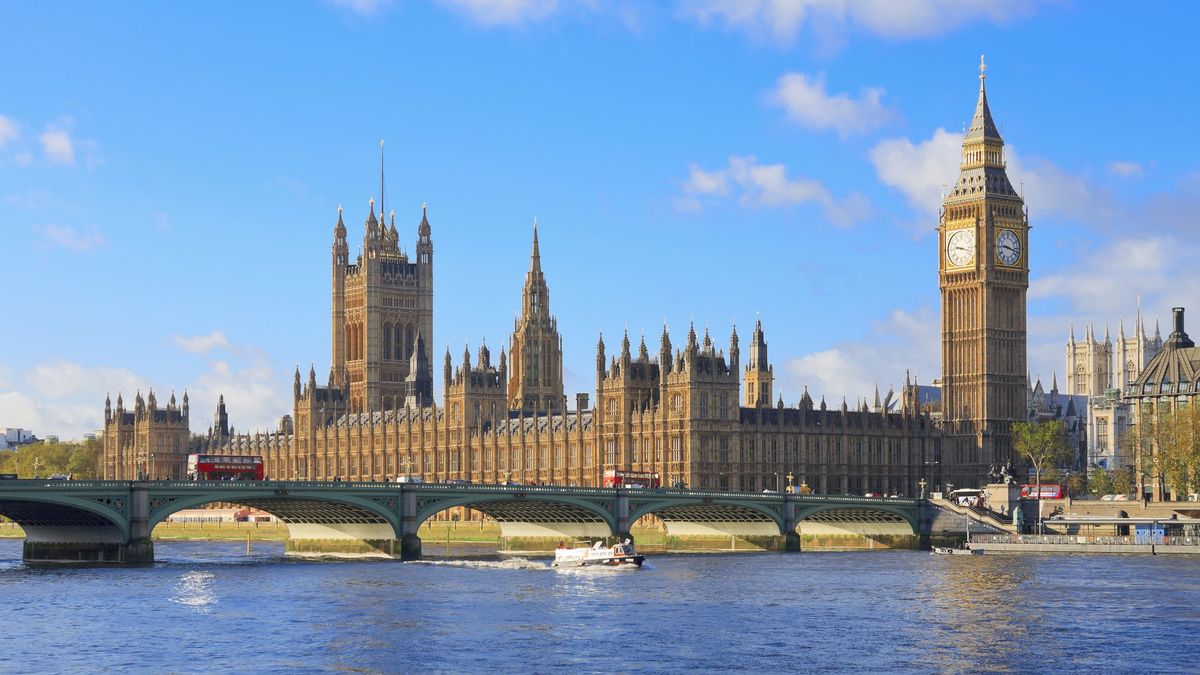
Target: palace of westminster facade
[{"x": 690, "y": 410}]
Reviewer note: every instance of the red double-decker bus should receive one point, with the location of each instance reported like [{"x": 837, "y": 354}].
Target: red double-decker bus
[
  {"x": 631, "y": 479},
  {"x": 1045, "y": 491},
  {"x": 225, "y": 467}
]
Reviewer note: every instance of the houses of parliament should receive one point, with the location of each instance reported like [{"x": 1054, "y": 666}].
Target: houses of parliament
[{"x": 687, "y": 406}]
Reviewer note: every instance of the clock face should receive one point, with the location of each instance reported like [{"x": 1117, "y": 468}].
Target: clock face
[
  {"x": 1008, "y": 247},
  {"x": 960, "y": 247}
]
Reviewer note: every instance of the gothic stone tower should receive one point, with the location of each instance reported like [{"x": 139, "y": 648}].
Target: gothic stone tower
[
  {"x": 1134, "y": 353},
  {"x": 759, "y": 374},
  {"x": 535, "y": 349},
  {"x": 983, "y": 266},
  {"x": 1089, "y": 364},
  {"x": 381, "y": 304}
]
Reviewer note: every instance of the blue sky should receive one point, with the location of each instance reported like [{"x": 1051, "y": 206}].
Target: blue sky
[{"x": 170, "y": 175}]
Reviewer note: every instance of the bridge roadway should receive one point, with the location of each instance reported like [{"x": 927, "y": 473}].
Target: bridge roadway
[{"x": 111, "y": 521}]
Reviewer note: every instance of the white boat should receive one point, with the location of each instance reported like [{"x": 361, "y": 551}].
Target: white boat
[
  {"x": 598, "y": 555},
  {"x": 946, "y": 550}
]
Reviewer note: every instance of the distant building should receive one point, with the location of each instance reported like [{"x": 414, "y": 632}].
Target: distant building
[
  {"x": 1100, "y": 372},
  {"x": 15, "y": 438},
  {"x": 1169, "y": 382}
]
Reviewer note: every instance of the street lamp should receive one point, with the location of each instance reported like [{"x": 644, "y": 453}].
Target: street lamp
[
  {"x": 776, "y": 480},
  {"x": 791, "y": 478},
  {"x": 37, "y": 465},
  {"x": 921, "y": 484}
]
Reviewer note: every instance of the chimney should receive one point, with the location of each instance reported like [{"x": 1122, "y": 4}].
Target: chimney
[{"x": 1178, "y": 337}]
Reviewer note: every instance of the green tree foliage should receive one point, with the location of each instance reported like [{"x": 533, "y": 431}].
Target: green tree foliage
[
  {"x": 1077, "y": 484},
  {"x": 1044, "y": 444},
  {"x": 40, "y": 460},
  {"x": 1123, "y": 482},
  {"x": 1177, "y": 441},
  {"x": 1101, "y": 483}
]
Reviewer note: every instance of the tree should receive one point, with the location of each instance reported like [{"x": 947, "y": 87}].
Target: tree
[
  {"x": 1101, "y": 483},
  {"x": 1044, "y": 444},
  {"x": 39, "y": 460},
  {"x": 1122, "y": 481},
  {"x": 1077, "y": 484},
  {"x": 1138, "y": 442},
  {"x": 1177, "y": 437}
]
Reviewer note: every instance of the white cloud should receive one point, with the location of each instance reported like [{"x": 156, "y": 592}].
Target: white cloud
[
  {"x": 903, "y": 341},
  {"x": 1101, "y": 283},
  {"x": 57, "y": 146},
  {"x": 808, "y": 104},
  {"x": 256, "y": 396},
  {"x": 71, "y": 238},
  {"x": 64, "y": 398},
  {"x": 782, "y": 20},
  {"x": 504, "y": 12},
  {"x": 8, "y": 131},
  {"x": 1127, "y": 169},
  {"x": 364, "y": 7},
  {"x": 768, "y": 185},
  {"x": 922, "y": 171},
  {"x": 202, "y": 344},
  {"x": 64, "y": 379},
  {"x": 67, "y": 398}
]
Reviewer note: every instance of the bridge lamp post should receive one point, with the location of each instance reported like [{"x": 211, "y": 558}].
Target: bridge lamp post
[
  {"x": 776, "y": 473},
  {"x": 791, "y": 479},
  {"x": 140, "y": 458},
  {"x": 37, "y": 466},
  {"x": 921, "y": 484}
]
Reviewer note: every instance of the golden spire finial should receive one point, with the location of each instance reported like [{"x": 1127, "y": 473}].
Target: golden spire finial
[{"x": 982, "y": 70}]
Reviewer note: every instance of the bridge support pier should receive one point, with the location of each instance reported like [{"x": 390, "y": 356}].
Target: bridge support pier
[
  {"x": 410, "y": 543},
  {"x": 46, "y": 544},
  {"x": 791, "y": 537},
  {"x": 622, "y": 516}
]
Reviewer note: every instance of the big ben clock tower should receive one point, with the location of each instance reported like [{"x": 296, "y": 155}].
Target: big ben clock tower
[{"x": 983, "y": 274}]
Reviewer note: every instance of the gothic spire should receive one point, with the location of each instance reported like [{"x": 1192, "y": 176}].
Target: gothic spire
[
  {"x": 982, "y": 124},
  {"x": 535, "y": 257}
]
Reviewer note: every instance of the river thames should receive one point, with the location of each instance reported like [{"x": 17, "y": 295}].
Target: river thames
[{"x": 207, "y": 606}]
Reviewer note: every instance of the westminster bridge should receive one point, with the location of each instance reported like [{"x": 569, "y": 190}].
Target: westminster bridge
[{"x": 111, "y": 521}]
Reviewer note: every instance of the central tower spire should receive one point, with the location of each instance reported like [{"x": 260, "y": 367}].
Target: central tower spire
[{"x": 535, "y": 349}]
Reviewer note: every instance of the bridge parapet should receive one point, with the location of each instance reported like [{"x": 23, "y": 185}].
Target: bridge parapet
[{"x": 110, "y": 520}]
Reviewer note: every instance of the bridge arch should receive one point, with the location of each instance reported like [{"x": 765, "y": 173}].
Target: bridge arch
[
  {"x": 365, "y": 525},
  {"x": 855, "y": 513},
  {"x": 46, "y": 517},
  {"x": 529, "y": 515},
  {"x": 711, "y": 516}
]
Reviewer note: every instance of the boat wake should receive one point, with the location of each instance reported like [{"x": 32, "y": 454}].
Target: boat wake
[{"x": 506, "y": 564}]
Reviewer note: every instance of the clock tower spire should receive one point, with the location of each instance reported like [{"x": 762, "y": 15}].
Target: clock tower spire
[{"x": 983, "y": 274}]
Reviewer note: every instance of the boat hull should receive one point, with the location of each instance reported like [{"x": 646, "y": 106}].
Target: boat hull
[{"x": 624, "y": 561}]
